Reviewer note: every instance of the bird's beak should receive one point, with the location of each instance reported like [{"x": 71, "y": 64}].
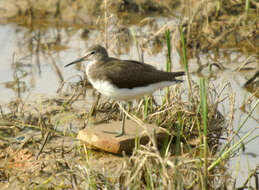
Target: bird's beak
[{"x": 76, "y": 61}]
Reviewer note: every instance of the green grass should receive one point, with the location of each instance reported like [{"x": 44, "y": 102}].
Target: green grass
[
  {"x": 168, "y": 44},
  {"x": 168, "y": 59},
  {"x": 247, "y": 6},
  {"x": 204, "y": 109},
  {"x": 185, "y": 60}
]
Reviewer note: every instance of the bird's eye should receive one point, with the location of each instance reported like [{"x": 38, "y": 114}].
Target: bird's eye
[{"x": 93, "y": 52}]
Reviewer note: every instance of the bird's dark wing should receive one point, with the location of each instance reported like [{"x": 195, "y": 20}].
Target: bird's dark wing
[{"x": 130, "y": 74}]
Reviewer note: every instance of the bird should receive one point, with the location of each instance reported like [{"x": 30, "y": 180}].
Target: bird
[{"x": 123, "y": 79}]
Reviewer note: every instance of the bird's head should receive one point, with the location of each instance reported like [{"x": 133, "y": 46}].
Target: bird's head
[{"x": 94, "y": 53}]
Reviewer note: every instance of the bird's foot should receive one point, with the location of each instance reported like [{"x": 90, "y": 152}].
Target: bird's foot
[{"x": 120, "y": 134}]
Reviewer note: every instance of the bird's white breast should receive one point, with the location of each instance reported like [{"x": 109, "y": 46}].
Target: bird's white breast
[{"x": 111, "y": 91}]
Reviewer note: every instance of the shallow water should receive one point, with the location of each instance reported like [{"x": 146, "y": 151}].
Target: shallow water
[{"x": 37, "y": 73}]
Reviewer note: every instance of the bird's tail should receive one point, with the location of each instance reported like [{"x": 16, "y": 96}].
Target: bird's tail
[{"x": 178, "y": 74}]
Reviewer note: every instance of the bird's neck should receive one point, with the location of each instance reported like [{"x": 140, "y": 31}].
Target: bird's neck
[{"x": 89, "y": 65}]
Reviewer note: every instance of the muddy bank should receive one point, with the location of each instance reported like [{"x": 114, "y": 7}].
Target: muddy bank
[{"x": 208, "y": 25}]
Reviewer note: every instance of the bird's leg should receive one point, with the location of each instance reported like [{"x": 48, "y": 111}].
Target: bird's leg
[
  {"x": 92, "y": 110},
  {"x": 123, "y": 122}
]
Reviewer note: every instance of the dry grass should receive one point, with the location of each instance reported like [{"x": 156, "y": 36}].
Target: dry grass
[
  {"x": 66, "y": 165},
  {"x": 207, "y": 24},
  {"x": 176, "y": 163}
]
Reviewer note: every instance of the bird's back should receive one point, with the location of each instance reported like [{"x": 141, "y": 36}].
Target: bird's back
[{"x": 131, "y": 74}]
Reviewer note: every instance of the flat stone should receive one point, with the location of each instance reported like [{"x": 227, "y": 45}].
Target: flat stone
[{"x": 103, "y": 136}]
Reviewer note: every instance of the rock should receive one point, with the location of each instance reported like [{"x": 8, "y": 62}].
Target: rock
[{"x": 103, "y": 136}]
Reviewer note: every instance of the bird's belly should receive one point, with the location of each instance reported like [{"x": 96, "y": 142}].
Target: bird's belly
[{"x": 111, "y": 91}]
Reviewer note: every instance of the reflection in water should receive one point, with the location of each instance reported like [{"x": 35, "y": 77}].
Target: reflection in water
[
  {"x": 44, "y": 51},
  {"x": 41, "y": 53},
  {"x": 40, "y": 46},
  {"x": 18, "y": 85}
]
